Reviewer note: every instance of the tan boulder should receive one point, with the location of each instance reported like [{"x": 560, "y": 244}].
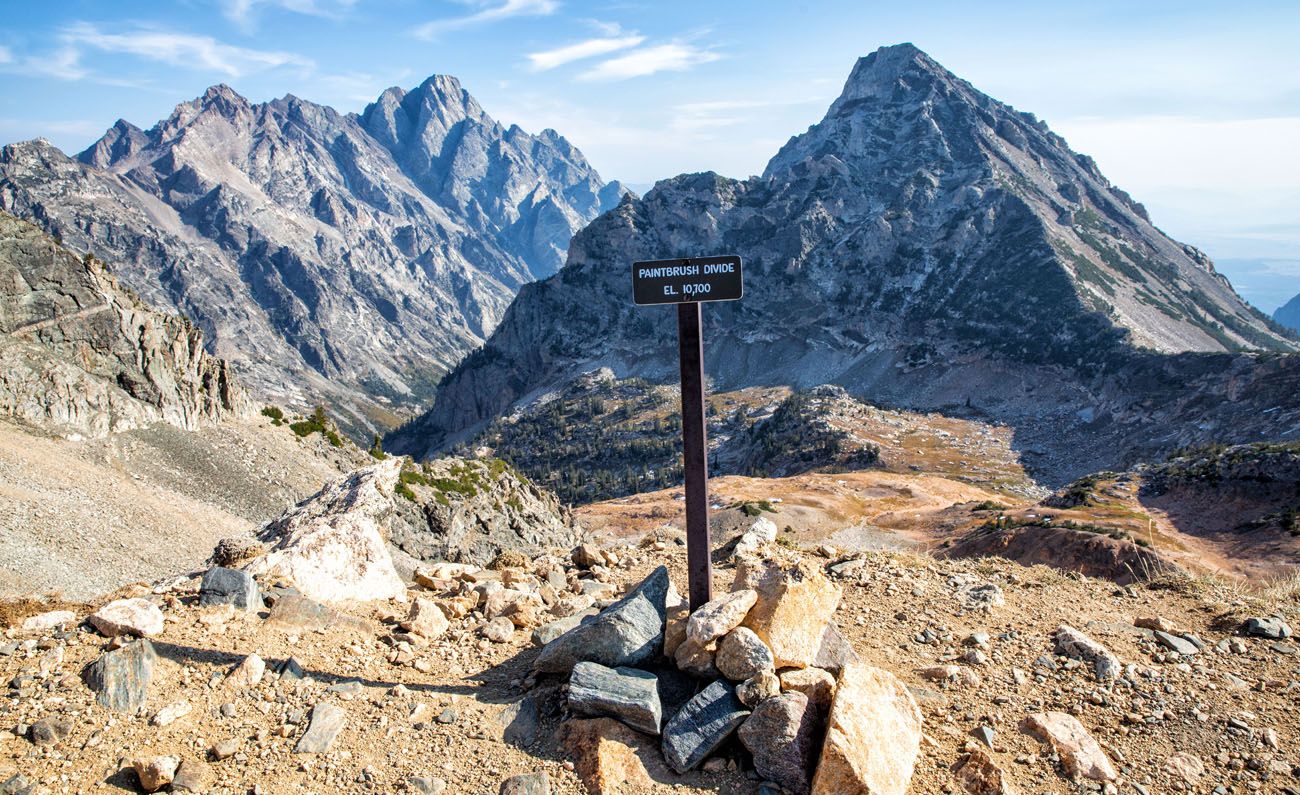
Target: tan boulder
[
  {"x": 815, "y": 683},
  {"x": 1080, "y": 754},
  {"x": 609, "y": 757},
  {"x": 873, "y": 737},
  {"x": 794, "y": 606},
  {"x": 138, "y": 617},
  {"x": 247, "y": 674},
  {"x": 980, "y": 775},
  {"x": 425, "y": 619},
  {"x": 50, "y": 620},
  {"x": 719, "y": 616},
  {"x": 696, "y": 659}
]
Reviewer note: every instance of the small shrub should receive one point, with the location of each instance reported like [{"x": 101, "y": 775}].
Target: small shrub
[
  {"x": 754, "y": 507},
  {"x": 275, "y": 413}
]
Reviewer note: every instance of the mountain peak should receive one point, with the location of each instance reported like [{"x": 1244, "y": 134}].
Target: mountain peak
[{"x": 888, "y": 69}]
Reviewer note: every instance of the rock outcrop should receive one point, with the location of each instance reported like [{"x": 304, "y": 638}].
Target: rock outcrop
[
  {"x": 924, "y": 246},
  {"x": 332, "y": 546},
  {"x": 471, "y": 510},
  {"x": 337, "y": 258},
  {"x": 79, "y": 353}
]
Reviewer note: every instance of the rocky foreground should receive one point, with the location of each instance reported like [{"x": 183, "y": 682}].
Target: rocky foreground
[{"x": 811, "y": 672}]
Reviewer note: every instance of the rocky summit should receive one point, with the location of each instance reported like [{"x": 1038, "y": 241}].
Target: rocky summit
[
  {"x": 83, "y": 355},
  {"x": 337, "y": 258},
  {"x": 924, "y": 246}
]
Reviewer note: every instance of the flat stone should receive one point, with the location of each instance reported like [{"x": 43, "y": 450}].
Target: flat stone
[
  {"x": 155, "y": 772},
  {"x": 781, "y": 733},
  {"x": 171, "y": 713},
  {"x": 138, "y": 617},
  {"x": 628, "y": 694},
  {"x": 627, "y": 633},
  {"x": 327, "y": 721},
  {"x": 1155, "y": 623},
  {"x": 49, "y": 620},
  {"x": 120, "y": 678},
  {"x": 192, "y": 776},
  {"x": 742, "y": 655},
  {"x": 954, "y": 674},
  {"x": 873, "y": 736},
  {"x": 1175, "y": 643},
  {"x": 1074, "y": 644},
  {"x": 1271, "y": 627},
  {"x": 296, "y": 612},
  {"x": 1080, "y": 754},
  {"x": 549, "y": 632},
  {"x": 794, "y": 607},
  {"x": 223, "y": 586},
  {"x": 527, "y": 784},
  {"x": 719, "y": 616},
  {"x": 609, "y": 757},
  {"x": 702, "y": 725}
]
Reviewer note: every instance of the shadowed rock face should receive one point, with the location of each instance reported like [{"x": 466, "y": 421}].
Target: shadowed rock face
[
  {"x": 924, "y": 246},
  {"x": 1289, "y": 314},
  {"x": 80, "y": 354},
  {"x": 346, "y": 259}
]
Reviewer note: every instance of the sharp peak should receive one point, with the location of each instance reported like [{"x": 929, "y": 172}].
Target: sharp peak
[
  {"x": 221, "y": 91},
  {"x": 879, "y": 71},
  {"x": 442, "y": 84}
]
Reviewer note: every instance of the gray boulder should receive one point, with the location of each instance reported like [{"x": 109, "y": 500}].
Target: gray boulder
[
  {"x": 1272, "y": 627},
  {"x": 782, "y": 735},
  {"x": 120, "y": 678},
  {"x": 702, "y": 725},
  {"x": 222, "y": 586},
  {"x": 628, "y": 694},
  {"x": 628, "y": 632}
]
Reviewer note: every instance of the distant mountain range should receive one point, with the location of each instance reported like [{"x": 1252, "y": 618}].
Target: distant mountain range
[
  {"x": 926, "y": 247},
  {"x": 333, "y": 258},
  {"x": 1289, "y": 314}
]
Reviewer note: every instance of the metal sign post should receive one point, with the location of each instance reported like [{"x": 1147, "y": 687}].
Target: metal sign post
[{"x": 688, "y": 283}]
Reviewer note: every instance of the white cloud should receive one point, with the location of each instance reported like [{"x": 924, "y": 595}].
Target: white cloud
[
  {"x": 673, "y": 57},
  {"x": 62, "y": 64},
  {"x": 183, "y": 50},
  {"x": 550, "y": 59},
  {"x": 5, "y": 55},
  {"x": 244, "y": 12},
  {"x": 495, "y": 13}
]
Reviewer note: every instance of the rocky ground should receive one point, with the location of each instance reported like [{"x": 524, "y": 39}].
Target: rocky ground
[{"x": 456, "y": 710}]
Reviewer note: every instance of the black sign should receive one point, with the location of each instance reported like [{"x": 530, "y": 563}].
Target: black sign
[{"x": 687, "y": 281}]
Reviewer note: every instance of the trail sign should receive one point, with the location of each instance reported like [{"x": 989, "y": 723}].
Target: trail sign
[{"x": 689, "y": 282}]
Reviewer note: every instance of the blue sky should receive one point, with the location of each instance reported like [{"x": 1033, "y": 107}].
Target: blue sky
[{"x": 1194, "y": 107}]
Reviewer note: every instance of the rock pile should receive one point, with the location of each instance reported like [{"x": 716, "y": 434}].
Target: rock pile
[{"x": 762, "y": 662}]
